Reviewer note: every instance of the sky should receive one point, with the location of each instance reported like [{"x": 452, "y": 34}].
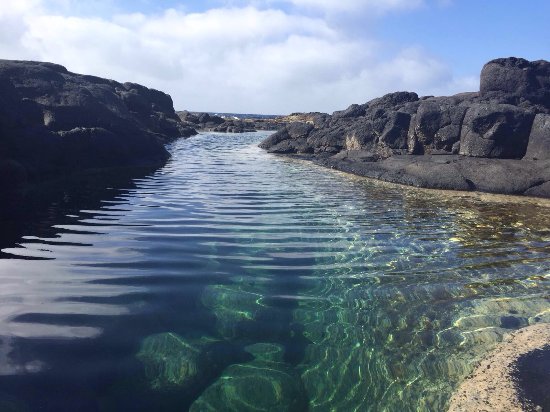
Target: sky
[{"x": 277, "y": 56}]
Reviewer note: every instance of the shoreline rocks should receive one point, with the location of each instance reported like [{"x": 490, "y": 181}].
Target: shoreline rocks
[
  {"x": 54, "y": 122},
  {"x": 496, "y": 383},
  {"x": 496, "y": 140},
  {"x": 245, "y": 123},
  {"x": 213, "y": 123}
]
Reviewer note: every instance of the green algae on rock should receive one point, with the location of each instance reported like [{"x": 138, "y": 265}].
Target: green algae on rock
[
  {"x": 234, "y": 306},
  {"x": 264, "y": 384},
  {"x": 170, "y": 360}
]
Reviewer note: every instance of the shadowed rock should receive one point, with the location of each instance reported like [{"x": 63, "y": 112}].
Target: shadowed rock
[
  {"x": 539, "y": 139},
  {"x": 53, "y": 121}
]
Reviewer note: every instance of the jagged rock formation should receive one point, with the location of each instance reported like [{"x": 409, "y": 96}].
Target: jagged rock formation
[
  {"x": 496, "y": 140},
  {"x": 53, "y": 121}
]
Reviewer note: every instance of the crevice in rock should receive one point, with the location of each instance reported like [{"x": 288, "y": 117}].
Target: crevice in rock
[
  {"x": 537, "y": 183},
  {"x": 471, "y": 185}
]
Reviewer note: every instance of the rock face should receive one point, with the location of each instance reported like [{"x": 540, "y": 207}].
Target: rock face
[
  {"x": 53, "y": 121},
  {"x": 495, "y": 130},
  {"x": 539, "y": 139},
  {"x": 488, "y": 133}
]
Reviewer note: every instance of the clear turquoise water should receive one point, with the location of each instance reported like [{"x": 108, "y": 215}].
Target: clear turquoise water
[{"x": 235, "y": 280}]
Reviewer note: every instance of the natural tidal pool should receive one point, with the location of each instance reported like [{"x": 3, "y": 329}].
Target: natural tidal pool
[{"x": 235, "y": 280}]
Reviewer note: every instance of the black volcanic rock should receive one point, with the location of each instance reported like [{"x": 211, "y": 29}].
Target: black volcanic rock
[
  {"x": 519, "y": 78},
  {"x": 508, "y": 119},
  {"x": 292, "y": 139},
  {"x": 496, "y": 130},
  {"x": 53, "y": 121},
  {"x": 435, "y": 126},
  {"x": 539, "y": 138},
  {"x": 214, "y": 123},
  {"x": 354, "y": 110}
]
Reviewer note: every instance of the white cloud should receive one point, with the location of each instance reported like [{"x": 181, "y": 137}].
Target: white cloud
[
  {"x": 242, "y": 59},
  {"x": 374, "y": 6}
]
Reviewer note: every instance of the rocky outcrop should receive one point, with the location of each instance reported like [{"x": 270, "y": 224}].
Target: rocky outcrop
[
  {"x": 213, "y": 123},
  {"x": 53, "y": 121},
  {"x": 484, "y": 135},
  {"x": 518, "y": 81},
  {"x": 247, "y": 123}
]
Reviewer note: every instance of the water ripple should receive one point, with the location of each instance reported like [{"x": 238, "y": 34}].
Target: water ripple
[{"x": 238, "y": 266}]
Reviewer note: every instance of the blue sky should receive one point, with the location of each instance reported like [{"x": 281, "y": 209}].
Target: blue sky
[
  {"x": 277, "y": 56},
  {"x": 468, "y": 33}
]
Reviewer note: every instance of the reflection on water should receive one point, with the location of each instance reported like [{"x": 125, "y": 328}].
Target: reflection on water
[{"x": 235, "y": 280}]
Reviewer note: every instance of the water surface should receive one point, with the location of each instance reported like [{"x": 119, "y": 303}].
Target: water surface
[{"x": 233, "y": 279}]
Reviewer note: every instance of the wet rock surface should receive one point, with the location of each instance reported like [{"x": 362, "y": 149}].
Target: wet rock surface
[
  {"x": 495, "y": 140},
  {"x": 53, "y": 121}
]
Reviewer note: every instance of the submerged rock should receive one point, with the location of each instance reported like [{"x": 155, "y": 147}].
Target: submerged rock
[
  {"x": 170, "y": 360},
  {"x": 264, "y": 384},
  {"x": 236, "y": 308},
  {"x": 506, "y": 120}
]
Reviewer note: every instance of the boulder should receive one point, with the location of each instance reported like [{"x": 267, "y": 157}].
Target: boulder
[
  {"x": 276, "y": 385},
  {"x": 517, "y": 77},
  {"x": 539, "y": 139},
  {"x": 495, "y": 130},
  {"x": 171, "y": 361},
  {"x": 291, "y": 139}
]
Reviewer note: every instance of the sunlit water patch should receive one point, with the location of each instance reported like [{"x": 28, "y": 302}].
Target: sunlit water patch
[{"x": 233, "y": 279}]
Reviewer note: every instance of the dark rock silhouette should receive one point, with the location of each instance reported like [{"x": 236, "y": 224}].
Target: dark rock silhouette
[
  {"x": 213, "y": 123},
  {"x": 230, "y": 123},
  {"x": 53, "y": 122},
  {"x": 496, "y": 140}
]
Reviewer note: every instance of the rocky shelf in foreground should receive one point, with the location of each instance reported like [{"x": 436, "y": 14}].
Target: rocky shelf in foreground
[
  {"x": 513, "y": 377},
  {"x": 495, "y": 140},
  {"x": 54, "y": 122}
]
